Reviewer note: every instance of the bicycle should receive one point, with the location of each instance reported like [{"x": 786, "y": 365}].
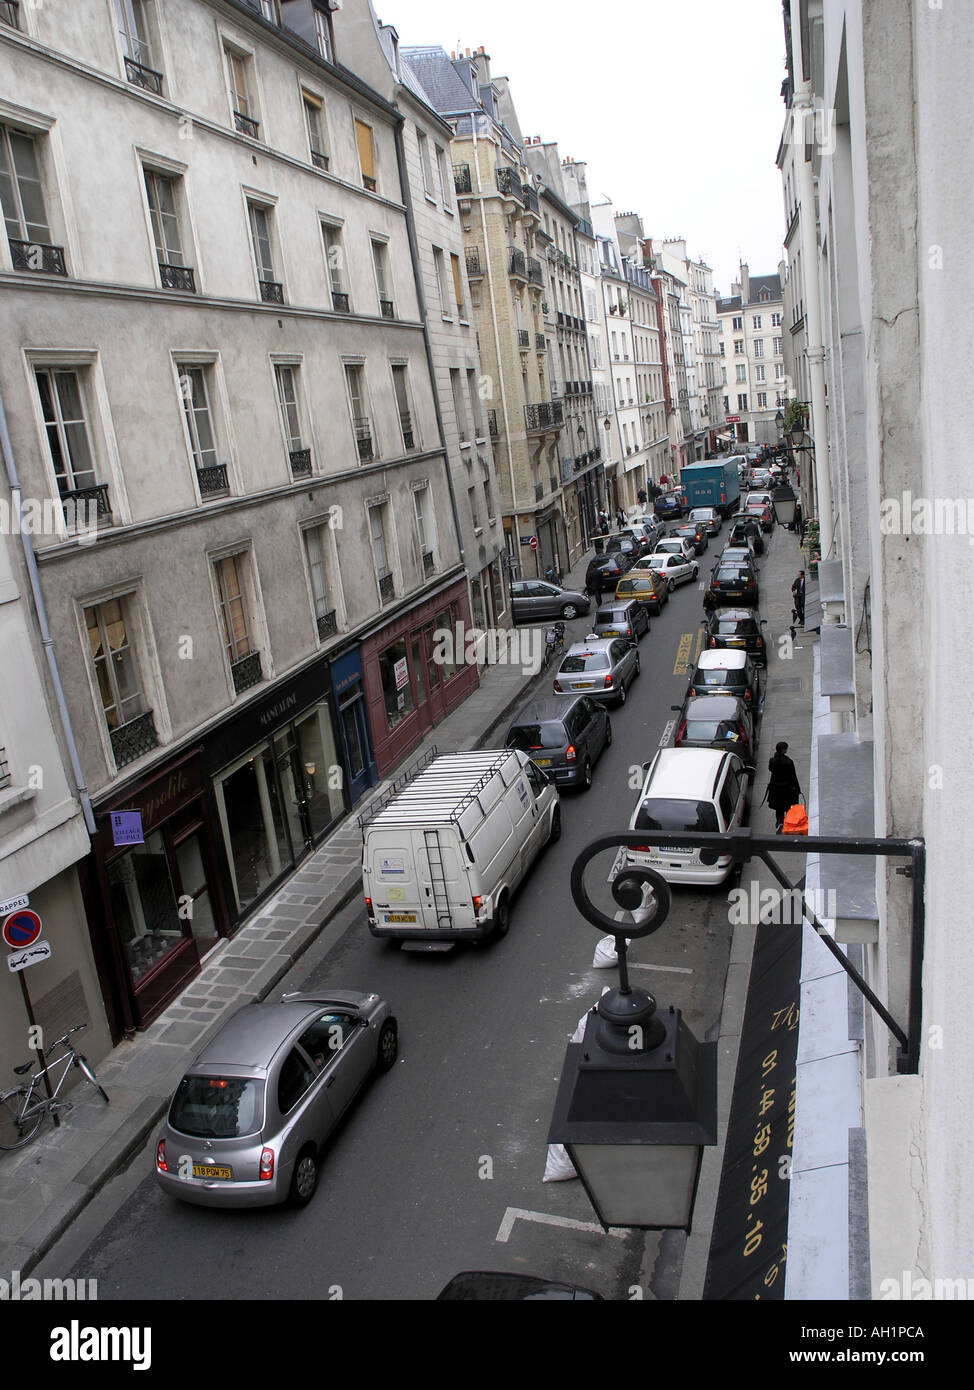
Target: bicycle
[
  {"x": 554, "y": 641},
  {"x": 21, "y": 1114}
]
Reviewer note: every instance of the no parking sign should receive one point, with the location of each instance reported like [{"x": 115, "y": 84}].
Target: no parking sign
[{"x": 21, "y": 928}]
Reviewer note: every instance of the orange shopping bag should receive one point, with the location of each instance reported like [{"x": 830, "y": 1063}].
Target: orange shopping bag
[{"x": 796, "y": 821}]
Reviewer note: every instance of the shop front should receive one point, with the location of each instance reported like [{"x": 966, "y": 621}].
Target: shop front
[
  {"x": 348, "y": 686},
  {"x": 413, "y": 677},
  {"x": 153, "y": 892},
  {"x": 280, "y": 777}
]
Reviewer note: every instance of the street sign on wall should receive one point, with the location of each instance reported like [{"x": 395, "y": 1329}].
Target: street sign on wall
[{"x": 21, "y": 928}]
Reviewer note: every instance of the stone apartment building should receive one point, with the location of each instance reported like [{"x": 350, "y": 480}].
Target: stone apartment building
[
  {"x": 216, "y": 373},
  {"x": 752, "y": 355}
]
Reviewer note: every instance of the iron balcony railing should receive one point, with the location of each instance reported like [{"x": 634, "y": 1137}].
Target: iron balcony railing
[
  {"x": 492, "y": 423},
  {"x": 272, "y": 291},
  {"x": 213, "y": 480},
  {"x": 339, "y": 301},
  {"x": 544, "y": 416},
  {"x": 387, "y": 587},
  {"x": 429, "y": 563},
  {"x": 369, "y": 183},
  {"x": 300, "y": 460},
  {"x": 509, "y": 183},
  {"x": 534, "y": 271},
  {"x": 530, "y": 197},
  {"x": 246, "y": 672},
  {"x": 538, "y": 491},
  {"x": 77, "y": 500},
  {"x": 141, "y": 76},
  {"x": 133, "y": 738},
  {"x": 363, "y": 437},
  {"x": 177, "y": 277},
  {"x": 246, "y": 125},
  {"x": 37, "y": 255},
  {"x": 461, "y": 178},
  {"x": 319, "y": 159},
  {"x": 4, "y": 769},
  {"x": 540, "y": 342},
  {"x": 327, "y": 625},
  {"x": 408, "y": 437},
  {"x": 523, "y": 338},
  {"x": 474, "y": 266},
  {"x": 387, "y": 308},
  {"x": 516, "y": 263}
]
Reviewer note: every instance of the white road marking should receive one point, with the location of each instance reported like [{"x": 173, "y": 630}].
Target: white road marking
[
  {"x": 674, "y": 969},
  {"x": 667, "y": 730},
  {"x": 543, "y": 1219},
  {"x": 702, "y": 585}
]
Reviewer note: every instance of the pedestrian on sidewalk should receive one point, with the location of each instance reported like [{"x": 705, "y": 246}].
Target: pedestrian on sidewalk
[
  {"x": 620, "y": 518},
  {"x": 783, "y": 788},
  {"x": 798, "y": 595},
  {"x": 595, "y": 586},
  {"x": 604, "y": 522}
]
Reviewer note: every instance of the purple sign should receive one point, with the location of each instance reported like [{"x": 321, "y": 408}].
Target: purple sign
[{"x": 127, "y": 828}]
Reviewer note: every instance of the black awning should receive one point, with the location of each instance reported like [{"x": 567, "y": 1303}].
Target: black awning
[{"x": 749, "y": 1241}]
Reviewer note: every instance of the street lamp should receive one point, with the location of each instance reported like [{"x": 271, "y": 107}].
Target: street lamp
[
  {"x": 637, "y": 1102},
  {"x": 779, "y": 422},
  {"x": 784, "y": 501}
]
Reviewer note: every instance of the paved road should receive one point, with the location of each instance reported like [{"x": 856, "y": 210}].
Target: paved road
[{"x": 436, "y": 1158}]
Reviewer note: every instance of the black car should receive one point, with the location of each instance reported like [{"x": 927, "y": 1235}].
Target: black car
[
  {"x": 725, "y": 672},
  {"x": 621, "y": 619},
  {"x": 565, "y": 735},
  {"x": 737, "y": 628},
  {"x": 694, "y": 532},
  {"x": 669, "y": 505},
  {"x": 611, "y": 567},
  {"x": 742, "y": 531},
  {"x": 716, "y": 721},
  {"x": 735, "y": 584},
  {"x": 625, "y": 543}
]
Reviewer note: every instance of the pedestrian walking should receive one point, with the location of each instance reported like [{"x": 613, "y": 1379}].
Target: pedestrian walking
[
  {"x": 595, "y": 584},
  {"x": 783, "y": 788},
  {"x": 620, "y": 518},
  {"x": 798, "y": 595}
]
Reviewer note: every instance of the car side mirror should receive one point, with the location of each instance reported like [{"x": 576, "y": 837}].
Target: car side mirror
[
  {"x": 646, "y": 767},
  {"x": 764, "y": 622}
]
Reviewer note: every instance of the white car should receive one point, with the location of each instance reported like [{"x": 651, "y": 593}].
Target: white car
[
  {"x": 674, "y": 566},
  {"x": 764, "y": 497},
  {"x": 676, "y": 545}
]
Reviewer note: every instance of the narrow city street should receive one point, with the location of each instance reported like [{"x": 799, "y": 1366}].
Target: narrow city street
[{"x": 435, "y": 1164}]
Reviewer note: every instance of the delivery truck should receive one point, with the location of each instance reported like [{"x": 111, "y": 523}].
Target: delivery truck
[
  {"x": 443, "y": 855},
  {"x": 712, "y": 484}
]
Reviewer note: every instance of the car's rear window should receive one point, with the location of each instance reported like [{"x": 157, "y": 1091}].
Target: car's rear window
[
  {"x": 717, "y": 678},
  {"x": 584, "y": 661},
  {"x": 660, "y": 813},
  {"x": 216, "y": 1107},
  {"x": 612, "y": 615},
  {"x": 732, "y": 574},
  {"x": 707, "y": 730},
  {"x": 735, "y": 626},
  {"x": 530, "y": 737}
]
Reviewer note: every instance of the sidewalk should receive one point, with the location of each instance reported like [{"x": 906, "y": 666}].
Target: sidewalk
[{"x": 48, "y": 1183}]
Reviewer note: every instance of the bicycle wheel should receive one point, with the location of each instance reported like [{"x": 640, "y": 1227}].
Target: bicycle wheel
[
  {"x": 83, "y": 1064},
  {"x": 14, "y": 1132}
]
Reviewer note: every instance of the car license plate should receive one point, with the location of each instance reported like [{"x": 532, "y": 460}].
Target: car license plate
[
  {"x": 734, "y": 593},
  {"x": 664, "y": 850},
  {"x": 211, "y": 1170},
  {"x": 400, "y": 916},
  {"x": 583, "y": 685},
  {"x": 610, "y": 632},
  {"x": 736, "y": 642},
  {"x": 542, "y": 762}
]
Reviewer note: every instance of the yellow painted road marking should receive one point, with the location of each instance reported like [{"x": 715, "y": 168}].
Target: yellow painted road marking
[
  {"x": 696, "y": 659},
  {"x": 683, "y": 653}
]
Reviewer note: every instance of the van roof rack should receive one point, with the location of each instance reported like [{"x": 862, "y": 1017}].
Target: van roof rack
[
  {"x": 465, "y": 777},
  {"x": 394, "y": 788}
]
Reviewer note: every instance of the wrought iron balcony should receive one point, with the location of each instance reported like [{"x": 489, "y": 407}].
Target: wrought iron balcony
[
  {"x": 387, "y": 308},
  {"x": 78, "y": 501},
  {"x": 319, "y": 159},
  {"x": 516, "y": 264},
  {"x": 509, "y": 183},
  {"x": 534, "y": 271},
  {"x": 246, "y": 125},
  {"x": 561, "y": 319},
  {"x": 141, "y": 76},
  {"x": 540, "y": 342},
  {"x": 429, "y": 563},
  {"x": 363, "y": 437},
  {"x": 177, "y": 277},
  {"x": 4, "y": 769},
  {"x": 10, "y": 13},
  {"x": 461, "y": 178},
  {"x": 408, "y": 437},
  {"x": 327, "y": 625},
  {"x": 37, "y": 255},
  {"x": 544, "y": 416},
  {"x": 132, "y": 739},
  {"x": 387, "y": 587},
  {"x": 492, "y": 423},
  {"x": 369, "y": 183},
  {"x": 300, "y": 460},
  {"x": 523, "y": 338},
  {"x": 272, "y": 291},
  {"x": 213, "y": 480},
  {"x": 339, "y": 301},
  {"x": 246, "y": 672},
  {"x": 530, "y": 197},
  {"x": 538, "y": 491},
  {"x": 474, "y": 266}
]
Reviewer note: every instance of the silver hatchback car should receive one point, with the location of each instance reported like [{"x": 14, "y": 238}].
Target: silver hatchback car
[
  {"x": 603, "y": 668},
  {"x": 250, "y": 1116}
]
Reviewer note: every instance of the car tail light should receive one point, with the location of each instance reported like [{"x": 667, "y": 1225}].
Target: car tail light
[
  {"x": 478, "y": 905},
  {"x": 747, "y": 694},
  {"x": 369, "y": 910},
  {"x": 759, "y": 641},
  {"x": 712, "y": 642},
  {"x": 608, "y": 681},
  {"x": 557, "y": 687},
  {"x": 265, "y": 1170},
  {"x": 161, "y": 1163},
  {"x": 628, "y": 631},
  {"x": 681, "y": 731},
  {"x": 646, "y": 849},
  {"x": 570, "y": 753}
]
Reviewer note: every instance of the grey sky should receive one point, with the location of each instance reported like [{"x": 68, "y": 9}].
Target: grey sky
[{"x": 675, "y": 106}]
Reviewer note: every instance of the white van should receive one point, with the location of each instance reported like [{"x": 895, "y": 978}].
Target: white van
[{"x": 442, "y": 857}]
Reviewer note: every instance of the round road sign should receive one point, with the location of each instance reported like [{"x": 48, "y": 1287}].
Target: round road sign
[
  {"x": 21, "y": 928},
  {"x": 533, "y": 542}
]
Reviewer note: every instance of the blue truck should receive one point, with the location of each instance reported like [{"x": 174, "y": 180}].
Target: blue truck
[{"x": 711, "y": 484}]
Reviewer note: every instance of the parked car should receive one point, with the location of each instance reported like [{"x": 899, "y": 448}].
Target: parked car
[
  {"x": 733, "y": 584},
  {"x": 763, "y": 515},
  {"x": 669, "y": 505},
  {"x": 611, "y": 567},
  {"x": 747, "y": 532},
  {"x": 696, "y": 533},
  {"x": 564, "y": 735},
  {"x": 493, "y": 1286},
  {"x": 532, "y": 600},
  {"x": 628, "y": 544},
  {"x": 618, "y": 619},
  {"x": 674, "y": 567},
  {"x": 604, "y": 668},
  {"x": 737, "y": 628},
  {"x": 646, "y": 587},
  {"x": 761, "y": 477},
  {"x": 699, "y": 789},
  {"x": 737, "y": 555},
  {"x": 443, "y": 854},
  {"x": 248, "y": 1120},
  {"x": 762, "y": 496},
  {"x": 711, "y": 518},
  {"x": 726, "y": 672},
  {"x": 716, "y": 721}
]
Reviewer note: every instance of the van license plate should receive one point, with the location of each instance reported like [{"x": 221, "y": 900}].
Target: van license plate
[{"x": 400, "y": 917}]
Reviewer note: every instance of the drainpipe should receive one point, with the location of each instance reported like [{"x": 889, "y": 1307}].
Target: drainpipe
[
  {"x": 47, "y": 641},
  {"x": 418, "y": 277}
]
